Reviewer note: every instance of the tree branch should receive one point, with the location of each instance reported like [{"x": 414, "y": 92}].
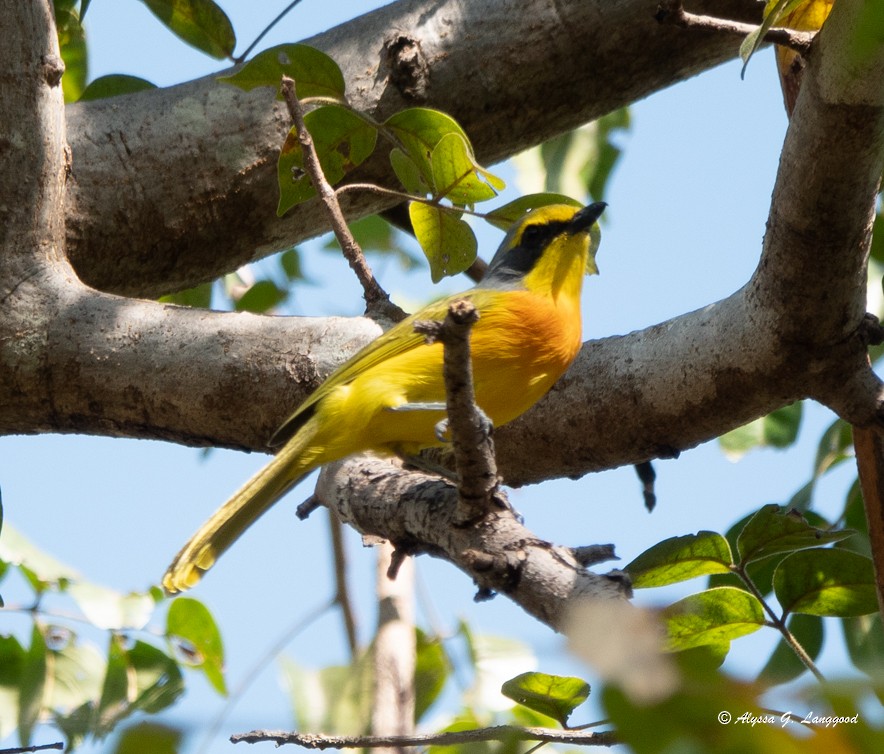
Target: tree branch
[
  {"x": 453, "y": 738},
  {"x": 417, "y": 512},
  {"x": 187, "y": 175},
  {"x": 673, "y": 12}
]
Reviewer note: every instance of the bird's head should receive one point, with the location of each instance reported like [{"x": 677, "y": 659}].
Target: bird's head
[{"x": 549, "y": 248}]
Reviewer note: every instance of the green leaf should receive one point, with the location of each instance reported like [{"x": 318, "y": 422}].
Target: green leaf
[
  {"x": 149, "y": 738},
  {"x": 784, "y": 665},
  {"x": 456, "y": 176},
  {"x": 199, "y": 296},
  {"x": 114, "y": 85},
  {"x": 290, "y": 262},
  {"x": 835, "y": 447},
  {"x": 503, "y": 217},
  {"x": 430, "y": 673},
  {"x": 552, "y": 695},
  {"x": 833, "y": 582},
  {"x": 447, "y": 241},
  {"x": 418, "y": 131},
  {"x": 315, "y": 74},
  {"x": 200, "y": 23},
  {"x": 342, "y": 140},
  {"x": 773, "y": 530},
  {"x": 32, "y": 689},
  {"x": 408, "y": 173},
  {"x": 712, "y": 617},
  {"x": 72, "y": 45},
  {"x": 12, "y": 667},
  {"x": 189, "y": 621},
  {"x": 681, "y": 558},
  {"x": 776, "y": 430},
  {"x": 772, "y": 13},
  {"x": 157, "y": 678},
  {"x": 261, "y": 297},
  {"x": 108, "y": 609},
  {"x": 864, "y": 638}
]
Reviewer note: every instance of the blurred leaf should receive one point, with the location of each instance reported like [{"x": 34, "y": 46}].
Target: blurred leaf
[
  {"x": 831, "y": 582},
  {"x": 772, "y": 531},
  {"x": 78, "y": 672},
  {"x": 290, "y": 262},
  {"x": 190, "y": 620},
  {"x": 149, "y": 738},
  {"x": 430, "y": 673},
  {"x": 72, "y": 45},
  {"x": 784, "y": 665},
  {"x": 113, "y": 701},
  {"x": 336, "y": 699},
  {"x": 494, "y": 659},
  {"x": 464, "y": 721},
  {"x": 157, "y": 682},
  {"x": 681, "y": 558},
  {"x": 580, "y": 162},
  {"x": 705, "y": 715},
  {"x": 261, "y": 297},
  {"x": 447, "y": 241},
  {"x": 342, "y": 140},
  {"x": 503, "y": 217},
  {"x": 315, "y": 74},
  {"x": 553, "y": 695},
  {"x": 419, "y": 130},
  {"x": 114, "y": 85},
  {"x": 877, "y": 251},
  {"x": 199, "y": 23},
  {"x": 37, "y": 566},
  {"x": 12, "y": 667},
  {"x": 108, "y": 609},
  {"x": 864, "y": 638},
  {"x": 776, "y": 430},
  {"x": 32, "y": 689},
  {"x": 199, "y": 297},
  {"x": 456, "y": 175},
  {"x": 712, "y": 617}
]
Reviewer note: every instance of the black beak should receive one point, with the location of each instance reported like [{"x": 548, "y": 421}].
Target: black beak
[{"x": 586, "y": 217}]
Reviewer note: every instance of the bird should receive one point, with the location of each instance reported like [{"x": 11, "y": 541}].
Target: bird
[{"x": 390, "y": 397}]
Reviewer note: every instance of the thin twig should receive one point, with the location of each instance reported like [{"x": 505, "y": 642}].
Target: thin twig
[
  {"x": 342, "y": 590},
  {"x": 470, "y": 429},
  {"x": 39, "y": 747},
  {"x": 673, "y": 12},
  {"x": 450, "y": 738},
  {"x": 377, "y": 302},
  {"x": 239, "y": 59}
]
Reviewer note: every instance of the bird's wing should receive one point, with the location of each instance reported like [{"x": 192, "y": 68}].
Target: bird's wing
[{"x": 397, "y": 340}]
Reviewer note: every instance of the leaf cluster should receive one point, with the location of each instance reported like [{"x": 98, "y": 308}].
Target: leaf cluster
[{"x": 63, "y": 676}]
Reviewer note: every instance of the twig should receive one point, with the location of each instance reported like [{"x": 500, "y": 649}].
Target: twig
[
  {"x": 342, "y": 591},
  {"x": 469, "y": 427},
  {"x": 239, "y": 59},
  {"x": 39, "y": 747},
  {"x": 377, "y": 302},
  {"x": 673, "y": 12},
  {"x": 451, "y": 738}
]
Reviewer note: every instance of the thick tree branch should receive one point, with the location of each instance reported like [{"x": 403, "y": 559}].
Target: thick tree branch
[
  {"x": 417, "y": 513},
  {"x": 187, "y": 175}
]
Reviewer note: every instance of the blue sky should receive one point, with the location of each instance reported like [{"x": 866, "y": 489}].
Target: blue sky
[{"x": 688, "y": 205}]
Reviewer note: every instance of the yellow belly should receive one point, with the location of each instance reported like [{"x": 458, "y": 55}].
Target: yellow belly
[{"x": 518, "y": 353}]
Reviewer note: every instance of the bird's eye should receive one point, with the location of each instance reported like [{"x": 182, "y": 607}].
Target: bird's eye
[{"x": 533, "y": 235}]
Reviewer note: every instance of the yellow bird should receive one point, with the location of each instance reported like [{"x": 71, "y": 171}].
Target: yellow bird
[{"x": 389, "y": 397}]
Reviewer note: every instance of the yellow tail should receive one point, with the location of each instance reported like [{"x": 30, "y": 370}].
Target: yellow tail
[{"x": 239, "y": 513}]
